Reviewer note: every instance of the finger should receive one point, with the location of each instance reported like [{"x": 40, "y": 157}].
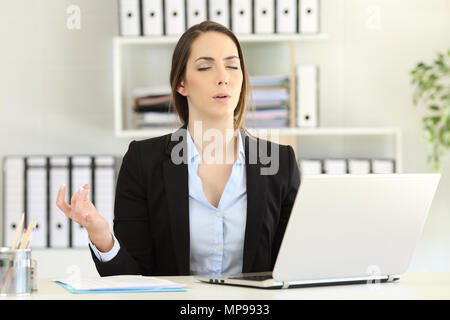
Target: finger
[
  {"x": 84, "y": 193},
  {"x": 60, "y": 202},
  {"x": 75, "y": 198}
]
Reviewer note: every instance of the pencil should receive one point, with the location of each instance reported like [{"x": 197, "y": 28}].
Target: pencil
[
  {"x": 18, "y": 231},
  {"x": 24, "y": 243}
]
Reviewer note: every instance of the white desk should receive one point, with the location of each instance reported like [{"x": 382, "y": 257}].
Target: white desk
[{"x": 410, "y": 286}]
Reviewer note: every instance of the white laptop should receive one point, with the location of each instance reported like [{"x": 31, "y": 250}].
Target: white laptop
[{"x": 347, "y": 229}]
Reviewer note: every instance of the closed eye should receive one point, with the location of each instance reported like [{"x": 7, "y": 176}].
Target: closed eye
[{"x": 202, "y": 69}]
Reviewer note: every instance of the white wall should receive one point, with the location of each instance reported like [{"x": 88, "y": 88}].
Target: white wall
[{"x": 56, "y": 91}]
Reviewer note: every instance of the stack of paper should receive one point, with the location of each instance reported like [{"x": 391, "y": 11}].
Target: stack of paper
[
  {"x": 270, "y": 95},
  {"x": 119, "y": 284},
  {"x": 152, "y": 108}
]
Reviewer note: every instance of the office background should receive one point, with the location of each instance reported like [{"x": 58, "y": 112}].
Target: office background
[{"x": 56, "y": 89}]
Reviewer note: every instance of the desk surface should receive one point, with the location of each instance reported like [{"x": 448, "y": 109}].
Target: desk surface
[{"x": 410, "y": 286}]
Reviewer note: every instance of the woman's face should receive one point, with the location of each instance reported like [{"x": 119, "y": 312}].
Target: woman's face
[{"x": 213, "y": 68}]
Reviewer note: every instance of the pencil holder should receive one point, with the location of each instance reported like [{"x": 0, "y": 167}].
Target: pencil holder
[{"x": 15, "y": 271}]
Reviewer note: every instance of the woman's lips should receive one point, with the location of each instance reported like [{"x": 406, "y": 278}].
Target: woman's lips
[{"x": 222, "y": 100}]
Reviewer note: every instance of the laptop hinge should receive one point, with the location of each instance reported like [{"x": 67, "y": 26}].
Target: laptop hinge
[
  {"x": 391, "y": 278},
  {"x": 285, "y": 285}
]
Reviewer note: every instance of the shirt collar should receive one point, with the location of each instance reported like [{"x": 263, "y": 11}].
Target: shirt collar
[{"x": 193, "y": 152}]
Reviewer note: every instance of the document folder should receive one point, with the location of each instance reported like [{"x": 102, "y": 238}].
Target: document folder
[
  {"x": 81, "y": 175},
  {"x": 152, "y": 17},
  {"x": 241, "y": 16},
  {"x": 36, "y": 198},
  {"x": 13, "y": 192},
  {"x": 58, "y": 224},
  {"x": 219, "y": 11},
  {"x": 264, "y": 13},
  {"x": 129, "y": 16}
]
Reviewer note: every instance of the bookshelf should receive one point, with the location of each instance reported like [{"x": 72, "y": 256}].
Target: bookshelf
[
  {"x": 124, "y": 45},
  {"x": 133, "y": 50}
]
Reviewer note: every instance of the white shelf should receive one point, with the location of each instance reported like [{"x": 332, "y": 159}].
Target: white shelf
[
  {"x": 330, "y": 131},
  {"x": 242, "y": 38},
  {"x": 122, "y": 44}
]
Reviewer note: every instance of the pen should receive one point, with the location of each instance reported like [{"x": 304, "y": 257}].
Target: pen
[
  {"x": 24, "y": 243},
  {"x": 19, "y": 228}
]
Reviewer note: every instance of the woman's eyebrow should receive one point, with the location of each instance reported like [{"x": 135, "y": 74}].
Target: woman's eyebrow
[{"x": 212, "y": 59}]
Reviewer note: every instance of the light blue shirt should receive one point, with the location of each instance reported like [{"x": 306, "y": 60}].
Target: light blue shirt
[{"x": 216, "y": 234}]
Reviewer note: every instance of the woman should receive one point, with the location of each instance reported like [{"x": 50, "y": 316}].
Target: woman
[{"x": 186, "y": 203}]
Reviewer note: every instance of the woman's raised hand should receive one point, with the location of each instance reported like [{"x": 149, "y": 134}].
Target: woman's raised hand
[{"x": 82, "y": 211}]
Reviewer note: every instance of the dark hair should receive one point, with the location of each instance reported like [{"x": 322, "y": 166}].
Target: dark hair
[{"x": 179, "y": 60}]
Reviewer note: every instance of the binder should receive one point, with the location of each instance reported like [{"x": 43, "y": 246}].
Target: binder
[
  {"x": 219, "y": 11},
  {"x": 307, "y": 96},
  {"x": 311, "y": 166},
  {"x": 195, "y": 12},
  {"x": 286, "y": 16},
  {"x": 358, "y": 166},
  {"x": 36, "y": 198},
  {"x": 81, "y": 174},
  {"x": 383, "y": 166},
  {"x": 241, "y": 16},
  {"x": 13, "y": 196},
  {"x": 31, "y": 184},
  {"x": 58, "y": 223},
  {"x": 104, "y": 187},
  {"x": 129, "y": 16},
  {"x": 152, "y": 18},
  {"x": 264, "y": 14},
  {"x": 335, "y": 166},
  {"x": 175, "y": 22},
  {"x": 308, "y": 12}
]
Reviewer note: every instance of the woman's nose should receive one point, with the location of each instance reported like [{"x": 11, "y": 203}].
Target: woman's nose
[{"x": 223, "y": 77}]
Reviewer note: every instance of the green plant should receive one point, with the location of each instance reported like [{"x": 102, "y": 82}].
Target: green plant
[{"x": 432, "y": 91}]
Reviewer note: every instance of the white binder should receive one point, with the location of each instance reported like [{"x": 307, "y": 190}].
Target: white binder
[
  {"x": 383, "y": 166},
  {"x": 335, "y": 166},
  {"x": 286, "y": 16},
  {"x": 241, "y": 16},
  {"x": 308, "y": 12},
  {"x": 58, "y": 224},
  {"x": 13, "y": 177},
  {"x": 310, "y": 167},
  {"x": 104, "y": 192},
  {"x": 129, "y": 16},
  {"x": 358, "y": 166},
  {"x": 195, "y": 12},
  {"x": 219, "y": 11},
  {"x": 307, "y": 96},
  {"x": 264, "y": 14},
  {"x": 175, "y": 17},
  {"x": 152, "y": 17},
  {"x": 36, "y": 199},
  {"x": 81, "y": 174}
]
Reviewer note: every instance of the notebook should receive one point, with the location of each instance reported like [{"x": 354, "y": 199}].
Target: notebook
[{"x": 119, "y": 284}]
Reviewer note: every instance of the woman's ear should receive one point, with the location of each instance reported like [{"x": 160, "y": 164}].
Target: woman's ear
[{"x": 180, "y": 89}]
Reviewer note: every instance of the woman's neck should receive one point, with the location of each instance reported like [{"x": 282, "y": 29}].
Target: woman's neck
[{"x": 217, "y": 143}]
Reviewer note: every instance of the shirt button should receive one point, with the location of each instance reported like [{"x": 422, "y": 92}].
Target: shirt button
[
  {"x": 219, "y": 214},
  {"x": 219, "y": 247}
]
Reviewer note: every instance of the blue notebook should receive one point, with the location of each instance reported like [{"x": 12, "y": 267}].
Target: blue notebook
[
  {"x": 72, "y": 290},
  {"x": 119, "y": 284}
]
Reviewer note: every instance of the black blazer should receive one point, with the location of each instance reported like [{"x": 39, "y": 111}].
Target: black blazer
[{"x": 151, "y": 212}]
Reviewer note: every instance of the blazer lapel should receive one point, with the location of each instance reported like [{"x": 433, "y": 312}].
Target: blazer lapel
[
  {"x": 176, "y": 185},
  {"x": 256, "y": 201}
]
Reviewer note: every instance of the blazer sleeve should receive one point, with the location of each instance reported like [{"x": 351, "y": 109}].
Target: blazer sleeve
[
  {"x": 131, "y": 221},
  {"x": 288, "y": 199}
]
